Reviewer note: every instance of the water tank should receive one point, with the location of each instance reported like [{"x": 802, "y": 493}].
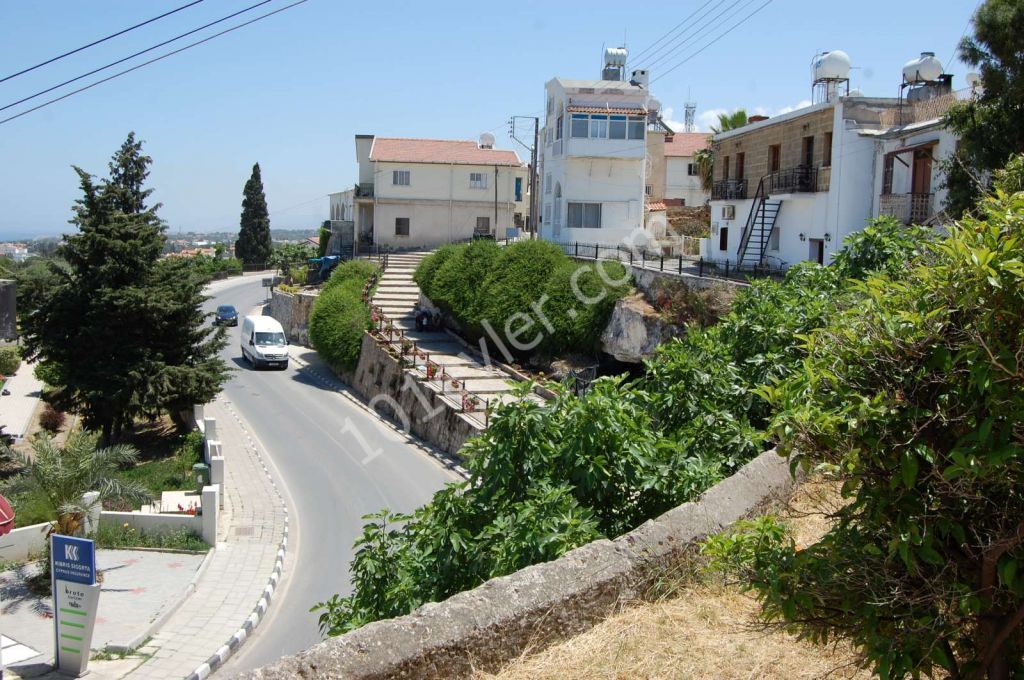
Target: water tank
[
  {"x": 834, "y": 65},
  {"x": 487, "y": 141},
  {"x": 615, "y": 56},
  {"x": 925, "y": 68}
]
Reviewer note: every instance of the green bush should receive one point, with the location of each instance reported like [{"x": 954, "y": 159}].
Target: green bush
[
  {"x": 10, "y": 359},
  {"x": 351, "y": 270},
  {"x": 578, "y": 323},
  {"x": 114, "y": 537},
  {"x": 338, "y": 322},
  {"x": 457, "y": 284},
  {"x": 428, "y": 267}
]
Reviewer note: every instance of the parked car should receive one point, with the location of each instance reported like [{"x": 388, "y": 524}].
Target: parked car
[
  {"x": 227, "y": 315},
  {"x": 263, "y": 342}
]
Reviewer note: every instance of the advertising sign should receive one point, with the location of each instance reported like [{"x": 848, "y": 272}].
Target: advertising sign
[{"x": 75, "y": 597}]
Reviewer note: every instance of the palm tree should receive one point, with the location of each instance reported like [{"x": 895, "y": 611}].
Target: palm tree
[
  {"x": 61, "y": 475},
  {"x": 730, "y": 121},
  {"x": 705, "y": 168}
]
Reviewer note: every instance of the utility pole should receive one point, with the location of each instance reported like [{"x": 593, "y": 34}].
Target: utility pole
[
  {"x": 532, "y": 181},
  {"x": 495, "y": 202}
]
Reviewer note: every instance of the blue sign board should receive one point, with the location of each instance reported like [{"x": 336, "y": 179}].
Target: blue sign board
[{"x": 74, "y": 559}]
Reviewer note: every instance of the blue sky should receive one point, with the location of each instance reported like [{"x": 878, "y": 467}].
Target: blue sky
[{"x": 291, "y": 91}]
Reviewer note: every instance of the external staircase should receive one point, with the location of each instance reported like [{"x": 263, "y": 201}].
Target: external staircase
[{"x": 757, "y": 232}]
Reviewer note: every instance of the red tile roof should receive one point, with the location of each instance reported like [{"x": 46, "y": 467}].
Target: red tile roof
[
  {"x": 686, "y": 143},
  {"x": 462, "y": 152},
  {"x": 655, "y": 206},
  {"x": 618, "y": 110}
]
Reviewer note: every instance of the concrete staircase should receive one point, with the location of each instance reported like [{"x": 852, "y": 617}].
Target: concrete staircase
[{"x": 397, "y": 296}]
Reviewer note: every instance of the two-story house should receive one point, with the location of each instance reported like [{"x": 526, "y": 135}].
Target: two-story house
[
  {"x": 593, "y": 156},
  {"x": 415, "y": 193},
  {"x": 792, "y": 187},
  {"x": 682, "y": 180}
]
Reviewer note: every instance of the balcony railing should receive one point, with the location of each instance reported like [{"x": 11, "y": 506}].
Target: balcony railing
[
  {"x": 364, "y": 190},
  {"x": 801, "y": 179},
  {"x": 729, "y": 189},
  {"x": 907, "y": 208}
]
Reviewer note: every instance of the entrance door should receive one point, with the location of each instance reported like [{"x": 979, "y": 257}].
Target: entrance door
[
  {"x": 921, "y": 175},
  {"x": 817, "y": 253}
]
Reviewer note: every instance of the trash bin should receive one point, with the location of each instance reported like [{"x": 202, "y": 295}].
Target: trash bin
[{"x": 201, "y": 473}]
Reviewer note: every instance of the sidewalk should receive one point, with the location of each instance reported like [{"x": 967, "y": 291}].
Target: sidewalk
[
  {"x": 16, "y": 408},
  {"x": 234, "y": 592}
]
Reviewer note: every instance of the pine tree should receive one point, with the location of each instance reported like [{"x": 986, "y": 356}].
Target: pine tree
[
  {"x": 254, "y": 245},
  {"x": 122, "y": 332}
]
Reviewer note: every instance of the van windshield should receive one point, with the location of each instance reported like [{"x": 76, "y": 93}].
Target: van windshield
[{"x": 269, "y": 338}]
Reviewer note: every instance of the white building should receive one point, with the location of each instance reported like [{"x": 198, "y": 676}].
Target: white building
[
  {"x": 682, "y": 181},
  {"x": 593, "y": 155},
  {"x": 424, "y": 192},
  {"x": 16, "y": 251},
  {"x": 342, "y": 211},
  {"x": 793, "y": 187}
]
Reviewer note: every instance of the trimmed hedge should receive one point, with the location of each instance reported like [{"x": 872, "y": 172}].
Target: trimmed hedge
[
  {"x": 10, "y": 359},
  {"x": 340, "y": 317},
  {"x": 530, "y": 294}
]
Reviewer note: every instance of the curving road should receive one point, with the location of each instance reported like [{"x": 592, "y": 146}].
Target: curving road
[{"x": 317, "y": 440}]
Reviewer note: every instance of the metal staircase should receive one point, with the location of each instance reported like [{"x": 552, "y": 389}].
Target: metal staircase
[{"x": 758, "y": 230}]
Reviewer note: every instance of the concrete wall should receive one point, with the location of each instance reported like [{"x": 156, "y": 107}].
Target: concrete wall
[
  {"x": 21, "y": 544},
  {"x": 484, "y": 628},
  {"x": 292, "y": 312},
  {"x": 679, "y": 184},
  {"x": 435, "y": 222},
  {"x": 617, "y": 184},
  {"x": 153, "y": 523},
  {"x": 380, "y": 380}
]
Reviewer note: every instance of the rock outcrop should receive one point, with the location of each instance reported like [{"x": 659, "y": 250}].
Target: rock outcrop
[{"x": 635, "y": 330}]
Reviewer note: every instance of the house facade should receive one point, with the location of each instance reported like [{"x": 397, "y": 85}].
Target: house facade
[
  {"x": 593, "y": 160},
  {"x": 682, "y": 181},
  {"x": 415, "y": 193}
]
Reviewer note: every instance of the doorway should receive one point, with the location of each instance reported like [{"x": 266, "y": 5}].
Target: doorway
[
  {"x": 817, "y": 253},
  {"x": 921, "y": 174}
]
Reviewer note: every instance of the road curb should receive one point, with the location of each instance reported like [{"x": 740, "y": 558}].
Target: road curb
[{"x": 239, "y": 637}]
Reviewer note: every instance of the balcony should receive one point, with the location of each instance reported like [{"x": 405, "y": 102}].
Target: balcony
[
  {"x": 801, "y": 179},
  {"x": 907, "y": 208},
  {"x": 729, "y": 189},
  {"x": 364, "y": 190}
]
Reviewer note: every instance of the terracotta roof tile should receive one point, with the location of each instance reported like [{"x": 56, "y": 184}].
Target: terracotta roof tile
[
  {"x": 461, "y": 152},
  {"x": 655, "y": 206},
  {"x": 619, "y": 110},
  {"x": 686, "y": 143}
]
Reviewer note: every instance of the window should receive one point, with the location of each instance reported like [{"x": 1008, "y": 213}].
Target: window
[
  {"x": 648, "y": 189},
  {"x": 579, "y": 125},
  {"x": 807, "y": 153},
  {"x": 547, "y": 183},
  {"x": 478, "y": 180},
  {"x": 483, "y": 225},
  {"x": 551, "y": 105},
  {"x": 636, "y": 128},
  {"x": 826, "y": 152},
  {"x": 401, "y": 226},
  {"x": 725, "y": 168},
  {"x": 773, "y": 240},
  {"x": 558, "y": 130},
  {"x": 691, "y": 169},
  {"x": 599, "y": 127},
  {"x": 519, "y": 189},
  {"x": 740, "y": 161},
  {"x": 400, "y": 178},
  {"x": 774, "y": 157},
  {"x": 617, "y": 127},
  {"x": 728, "y": 212},
  {"x": 887, "y": 168},
  {"x": 723, "y": 238},
  {"x": 546, "y": 214},
  {"x": 584, "y": 215}
]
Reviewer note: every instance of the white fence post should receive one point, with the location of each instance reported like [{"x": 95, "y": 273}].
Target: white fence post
[
  {"x": 213, "y": 449},
  {"x": 210, "y": 510},
  {"x": 90, "y": 501},
  {"x": 209, "y": 428},
  {"x": 198, "y": 414},
  {"x": 217, "y": 475}
]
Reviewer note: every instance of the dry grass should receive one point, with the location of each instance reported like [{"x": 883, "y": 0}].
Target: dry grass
[{"x": 702, "y": 631}]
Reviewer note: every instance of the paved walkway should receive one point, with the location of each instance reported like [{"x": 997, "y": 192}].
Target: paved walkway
[
  {"x": 239, "y": 581},
  {"x": 397, "y": 296},
  {"x": 16, "y": 408}
]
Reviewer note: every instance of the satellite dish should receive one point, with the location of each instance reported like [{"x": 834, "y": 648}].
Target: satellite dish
[{"x": 487, "y": 141}]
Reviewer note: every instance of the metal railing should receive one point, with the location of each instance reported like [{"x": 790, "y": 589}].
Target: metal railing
[
  {"x": 729, "y": 189},
  {"x": 907, "y": 208},
  {"x": 801, "y": 179},
  {"x": 364, "y": 190},
  {"x": 748, "y": 228}
]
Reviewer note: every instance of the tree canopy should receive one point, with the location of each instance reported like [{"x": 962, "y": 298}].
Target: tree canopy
[
  {"x": 120, "y": 331},
  {"x": 730, "y": 121},
  {"x": 254, "y": 243}
]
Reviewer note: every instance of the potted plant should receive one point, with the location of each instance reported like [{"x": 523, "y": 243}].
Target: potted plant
[{"x": 431, "y": 370}]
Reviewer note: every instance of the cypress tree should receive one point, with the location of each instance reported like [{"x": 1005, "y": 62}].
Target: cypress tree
[{"x": 254, "y": 244}]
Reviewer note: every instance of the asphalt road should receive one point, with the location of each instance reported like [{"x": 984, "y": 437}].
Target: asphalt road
[{"x": 318, "y": 441}]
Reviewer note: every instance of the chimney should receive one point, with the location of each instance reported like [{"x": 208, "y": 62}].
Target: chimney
[{"x": 756, "y": 119}]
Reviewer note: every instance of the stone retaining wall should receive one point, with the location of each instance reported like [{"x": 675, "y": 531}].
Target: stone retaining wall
[
  {"x": 292, "y": 311},
  {"x": 488, "y": 626},
  {"x": 416, "y": 406}
]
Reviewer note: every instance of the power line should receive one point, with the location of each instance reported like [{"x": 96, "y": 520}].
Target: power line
[
  {"x": 151, "y": 61},
  {"x": 702, "y": 29},
  {"x": 670, "y": 32},
  {"x": 97, "y": 42},
  {"x": 132, "y": 56},
  {"x": 713, "y": 40}
]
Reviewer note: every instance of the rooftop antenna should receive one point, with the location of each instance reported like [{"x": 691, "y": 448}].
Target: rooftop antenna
[{"x": 689, "y": 113}]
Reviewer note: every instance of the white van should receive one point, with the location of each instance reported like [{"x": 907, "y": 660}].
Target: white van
[{"x": 263, "y": 342}]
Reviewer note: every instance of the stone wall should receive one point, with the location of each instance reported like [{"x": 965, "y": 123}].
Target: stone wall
[
  {"x": 417, "y": 407},
  {"x": 488, "y": 626},
  {"x": 788, "y": 135},
  {"x": 292, "y": 312}
]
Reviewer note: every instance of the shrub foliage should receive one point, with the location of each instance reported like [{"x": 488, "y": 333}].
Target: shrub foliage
[{"x": 340, "y": 317}]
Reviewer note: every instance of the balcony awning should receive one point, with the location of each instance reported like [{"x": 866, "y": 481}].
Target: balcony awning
[{"x": 614, "y": 110}]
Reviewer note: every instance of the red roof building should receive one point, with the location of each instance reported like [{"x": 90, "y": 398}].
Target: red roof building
[
  {"x": 686, "y": 143},
  {"x": 445, "y": 151}
]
